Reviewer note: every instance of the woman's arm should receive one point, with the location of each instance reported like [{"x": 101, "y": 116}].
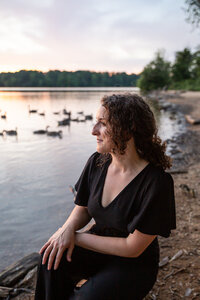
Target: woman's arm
[
  {"x": 78, "y": 218},
  {"x": 64, "y": 237},
  {"x": 132, "y": 246}
]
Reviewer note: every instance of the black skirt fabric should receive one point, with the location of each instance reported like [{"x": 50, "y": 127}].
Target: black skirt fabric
[{"x": 108, "y": 277}]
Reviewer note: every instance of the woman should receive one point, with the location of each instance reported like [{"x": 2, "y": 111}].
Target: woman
[{"x": 125, "y": 189}]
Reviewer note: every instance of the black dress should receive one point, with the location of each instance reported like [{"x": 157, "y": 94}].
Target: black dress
[{"x": 147, "y": 204}]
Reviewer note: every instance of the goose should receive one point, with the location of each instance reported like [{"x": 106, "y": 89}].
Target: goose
[
  {"x": 41, "y": 114},
  {"x": 82, "y": 120},
  {"x": 4, "y": 116},
  {"x": 75, "y": 120},
  {"x": 54, "y": 133},
  {"x": 41, "y": 131},
  {"x": 65, "y": 112},
  {"x": 64, "y": 122},
  {"x": 88, "y": 117},
  {"x": 31, "y": 110},
  {"x": 56, "y": 113},
  {"x": 11, "y": 132}
]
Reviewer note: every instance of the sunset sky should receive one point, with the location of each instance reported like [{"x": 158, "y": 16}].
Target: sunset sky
[{"x": 103, "y": 35}]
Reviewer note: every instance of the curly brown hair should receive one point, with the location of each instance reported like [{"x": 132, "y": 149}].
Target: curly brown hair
[{"x": 130, "y": 116}]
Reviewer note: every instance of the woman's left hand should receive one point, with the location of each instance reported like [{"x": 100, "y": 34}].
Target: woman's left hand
[{"x": 53, "y": 250}]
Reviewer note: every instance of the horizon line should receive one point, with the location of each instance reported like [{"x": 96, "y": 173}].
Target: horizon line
[{"x": 78, "y": 70}]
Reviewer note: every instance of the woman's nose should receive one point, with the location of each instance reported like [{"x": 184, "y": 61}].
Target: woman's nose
[{"x": 95, "y": 130}]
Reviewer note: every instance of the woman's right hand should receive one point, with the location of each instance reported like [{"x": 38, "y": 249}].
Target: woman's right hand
[{"x": 53, "y": 250}]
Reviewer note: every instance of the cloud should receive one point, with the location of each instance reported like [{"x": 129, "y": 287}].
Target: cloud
[
  {"x": 112, "y": 35},
  {"x": 20, "y": 36}
]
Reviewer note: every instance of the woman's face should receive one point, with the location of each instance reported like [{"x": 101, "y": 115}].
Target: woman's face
[{"x": 101, "y": 129}]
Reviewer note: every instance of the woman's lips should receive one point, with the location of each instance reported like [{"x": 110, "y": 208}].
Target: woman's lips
[{"x": 99, "y": 141}]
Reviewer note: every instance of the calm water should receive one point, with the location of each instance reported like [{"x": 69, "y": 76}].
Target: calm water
[{"x": 36, "y": 171}]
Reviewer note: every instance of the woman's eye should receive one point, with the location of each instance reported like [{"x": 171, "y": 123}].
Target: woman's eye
[{"x": 100, "y": 122}]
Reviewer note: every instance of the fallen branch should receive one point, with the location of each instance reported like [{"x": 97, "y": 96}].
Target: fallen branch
[
  {"x": 4, "y": 291},
  {"x": 174, "y": 273},
  {"x": 178, "y": 171},
  {"x": 192, "y": 121},
  {"x": 177, "y": 255},
  {"x": 12, "y": 292}
]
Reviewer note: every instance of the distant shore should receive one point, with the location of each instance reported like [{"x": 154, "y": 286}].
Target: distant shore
[{"x": 67, "y": 89}]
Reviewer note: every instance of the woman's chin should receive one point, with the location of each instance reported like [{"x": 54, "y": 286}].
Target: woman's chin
[{"x": 100, "y": 149}]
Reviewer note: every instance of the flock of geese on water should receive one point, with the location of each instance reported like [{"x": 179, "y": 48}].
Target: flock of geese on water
[{"x": 66, "y": 121}]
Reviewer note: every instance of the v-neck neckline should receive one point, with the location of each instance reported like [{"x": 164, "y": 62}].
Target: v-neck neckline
[{"x": 117, "y": 196}]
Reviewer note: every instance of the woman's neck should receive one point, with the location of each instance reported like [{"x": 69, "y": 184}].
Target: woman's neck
[{"x": 129, "y": 161}]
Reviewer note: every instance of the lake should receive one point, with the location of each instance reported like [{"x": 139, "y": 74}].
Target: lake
[{"x": 36, "y": 170}]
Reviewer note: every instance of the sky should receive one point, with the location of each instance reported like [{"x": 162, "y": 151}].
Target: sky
[{"x": 96, "y": 35}]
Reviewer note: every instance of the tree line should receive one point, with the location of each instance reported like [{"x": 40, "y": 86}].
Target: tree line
[
  {"x": 58, "y": 78},
  {"x": 183, "y": 74}
]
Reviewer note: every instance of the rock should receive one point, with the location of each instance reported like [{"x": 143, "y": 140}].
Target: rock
[
  {"x": 187, "y": 190},
  {"x": 165, "y": 105},
  {"x": 28, "y": 279},
  {"x": 164, "y": 261},
  {"x": 15, "y": 272},
  {"x": 175, "y": 151},
  {"x": 188, "y": 292}
]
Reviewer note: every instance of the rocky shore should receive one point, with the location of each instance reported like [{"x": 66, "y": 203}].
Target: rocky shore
[{"x": 179, "y": 274}]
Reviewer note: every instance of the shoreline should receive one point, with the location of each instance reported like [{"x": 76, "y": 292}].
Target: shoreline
[
  {"x": 68, "y": 89},
  {"x": 179, "y": 254},
  {"x": 178, "y": 276}
]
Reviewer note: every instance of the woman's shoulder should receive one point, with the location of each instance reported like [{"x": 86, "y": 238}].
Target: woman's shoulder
[
  {"x": 94, "y": 157},
  {"x": 157, "y": 182},
  {"x": 92, "y": 161},
  {"x": 99, "y": 160},
  {"x": 159, "y": 174}
]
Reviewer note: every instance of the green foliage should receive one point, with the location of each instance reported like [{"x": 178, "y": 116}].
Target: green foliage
[
  {"x": 186, "y": 71},
  {"x": 181, "y": 69},
  {"x": 57, "y": 78},
  {"x": 155, "y": 75},
  {"x": 193, "y": 12},
  {"x": 195, "y": 73},
  {"x": 184, "y": 74},
  {"x": 187, "y": 85}
]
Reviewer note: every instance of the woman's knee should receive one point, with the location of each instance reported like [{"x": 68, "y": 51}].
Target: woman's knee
[{"x": 44, "y": 266}]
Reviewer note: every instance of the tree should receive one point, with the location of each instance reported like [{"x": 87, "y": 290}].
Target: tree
[
  {"x": 196, "y": 65},
  {"x": 156, "y": 74},
  {"x": 181, "y": 70},
  {"x": 56, "y": 78},
  {"x": 193, "y": 11}
]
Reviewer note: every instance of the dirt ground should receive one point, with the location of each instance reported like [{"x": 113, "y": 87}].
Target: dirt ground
[{"x": 179, "y": 275}]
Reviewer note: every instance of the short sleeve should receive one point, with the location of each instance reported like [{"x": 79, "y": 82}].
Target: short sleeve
[
  {"x": 156, "y": 214},
  {"x": 82, "y": 186}
]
